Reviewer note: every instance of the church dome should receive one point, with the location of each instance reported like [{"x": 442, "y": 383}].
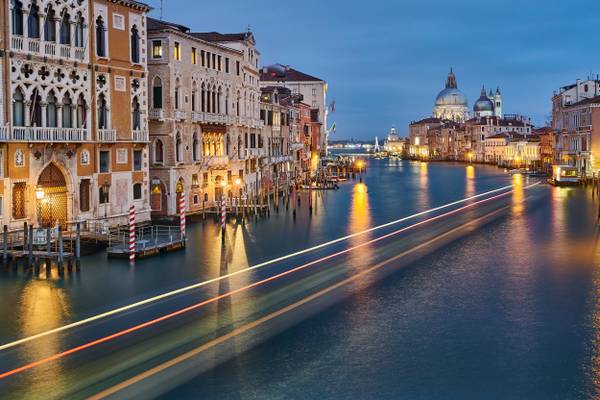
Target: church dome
[
  {"x": 451, "y": 97},
  {"x": 483, "y": 103}
]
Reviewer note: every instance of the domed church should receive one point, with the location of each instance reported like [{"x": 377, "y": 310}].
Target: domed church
[{"x": 451, "y": 104}]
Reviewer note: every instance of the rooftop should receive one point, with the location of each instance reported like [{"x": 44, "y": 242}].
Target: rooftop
[{"x": 282, "y": 73}]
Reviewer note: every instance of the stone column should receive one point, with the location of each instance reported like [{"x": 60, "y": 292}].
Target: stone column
[
  {"x": 44, "y": 107},
  {"x": 42, "y": 17},
  {"x": 59, "y": 118},
  {"x": 27, "y": 113}
]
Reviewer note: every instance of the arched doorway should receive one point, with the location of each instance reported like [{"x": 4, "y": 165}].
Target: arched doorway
[
  {"x": 51, "y": 196},
  {"x": 158, "y": 198}
]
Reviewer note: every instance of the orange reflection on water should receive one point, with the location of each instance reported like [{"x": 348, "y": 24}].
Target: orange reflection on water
[
  {"x": 424, "y": 186},
  {"x": 470, "y": 181},
  {"x": 359, "y": 220},
  {"x": 518, "y": 194}
]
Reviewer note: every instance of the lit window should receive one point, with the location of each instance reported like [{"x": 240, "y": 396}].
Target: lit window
[
  {"x": 194, "y": 55},
  {"x": 156, "y": 49},
  {"x": 177, "y": 51}
]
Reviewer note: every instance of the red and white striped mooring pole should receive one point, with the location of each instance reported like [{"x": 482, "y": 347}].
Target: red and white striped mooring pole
[
  {"x": 132, "y": 233},
  {"x": 223, "y": 214},
  {"x": 182, "y": 215}
]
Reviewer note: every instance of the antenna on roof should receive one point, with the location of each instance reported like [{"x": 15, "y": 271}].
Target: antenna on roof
[
  {"x": 248, "y": 28},
  {"x": 161, "y": 10}
]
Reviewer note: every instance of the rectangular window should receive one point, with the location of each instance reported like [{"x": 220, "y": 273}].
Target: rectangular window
[
  {"x": 156, "y": 49},
  {"x": 121, "y": 156},
  {"x": 219, "y": 64},
  {"x": 18, "y": 198},
  {"x": 137, "y": 191},
  {"x": 208, "y": 59},
  {"x": 203, "y": 58},
  {"x": 84, "y": 195},
  {"x": 177, "y": 51},
  {"x": 104, "y": 161},
  {"x": 103, "y": 194},
  {"x": 193, "y": 55},
  {"x": 226, "y": 64},
  {"x": 157, "y": 97},
  {"x": 195, "y": 180},
  {"x": 137, "y": 160},
  {"x": 214, "y": 61},
  {"x": 237, "y": 67}
]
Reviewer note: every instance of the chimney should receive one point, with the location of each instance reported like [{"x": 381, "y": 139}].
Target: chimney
[{"x": 577, "y": 82}]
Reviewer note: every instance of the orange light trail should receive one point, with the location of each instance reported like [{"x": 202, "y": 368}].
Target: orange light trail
[{"x": 233, "y": 292}]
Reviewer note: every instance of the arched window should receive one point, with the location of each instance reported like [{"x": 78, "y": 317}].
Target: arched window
[
  {"x": 196, "y": 148},
  {"x": 65, "y": 29},
  {"x": 237, "y": 104},
  {"x": 18, "y": 108},
  {"x": 33, "y": 22},
  {"x": 17, "y": 18},
  {"x": 81, "y": 112},
  {"x": 135, "y": 45},
  {"x": 177, "y": 94},
  {"x": 50, "y": 26},
  {"x": 79, "y": 31},
  {"x": 100, "y": 38},
  {"x": 219, "y": 96},
  {"x": 36, "y": 109},
  {"x": 194, "y": 95},
  {"x": 203, "y": 99},
  {"x": 67, "y": 112},
  {"x": 158, "y": 151},
  {"x": 227, "y": 102},
  {"x": 135, "y": 114},
  {"x": 51, "y": 111},
  {"x": 157, "y": 93},
  {"x": 213, "y": 100},
  {"x": 102, "y": 113},
  {"x": 179, "y": 148}
]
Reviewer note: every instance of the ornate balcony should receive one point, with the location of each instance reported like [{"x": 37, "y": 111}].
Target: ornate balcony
[
  {"x": 179, "y": 115},
  {"x": 253, "y": 153},
  {"x": 157, "y": 113},
  {"x": 140, "y": 136},
  {"x": 49, "y": 49},
  {"x": 107, "y": 135},
  {"x": 217, "y": 162},
  {"x": 44, "y": 134}
]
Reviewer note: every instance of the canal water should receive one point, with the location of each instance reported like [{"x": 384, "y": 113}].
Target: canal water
[{"x": 508, "y": 311}]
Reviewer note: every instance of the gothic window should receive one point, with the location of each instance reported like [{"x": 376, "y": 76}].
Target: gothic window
[
  {"x": 51, "y": 111},
  {"x": 194, "y": 94},
  {"x": 79, "y": 32},
  {"x": 135, "y": 114},
  {"x": 158, "y": 151},
  {"x": 196, "y": 148},
  {"x": 219, "y": 95},
  {"x": 157, "y": 96},
  {"x": 100, "y": 38},
  {"x": 135, "y": 45},
  {"x": 179, "y": 148},
  {"x": 17, "y": 18},
  {"x": 81, "y": 112},
  {"x": 36, "y": 109},
  {"x": 33, "y": 22},
  {"x": 50, "y": 26},
  {"x": 203, "y": 99},
  {"x": 18, "y": 108},
  {"x": 67, "y": 112},
  {"x": 177, "y": 99},
  {"x": 102, "y": 113},
  {"x": 65, "y": 29}
]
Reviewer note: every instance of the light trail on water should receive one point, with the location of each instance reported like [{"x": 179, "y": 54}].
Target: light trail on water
[
  {"x": 241, "y": 289},
  {"x": 175, "y": 292}
]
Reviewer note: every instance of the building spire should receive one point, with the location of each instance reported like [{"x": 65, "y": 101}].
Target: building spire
[{"x": 451, "y": 81}]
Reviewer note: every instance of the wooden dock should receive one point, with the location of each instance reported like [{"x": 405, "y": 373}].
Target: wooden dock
[{"x": 150, "y": 241}]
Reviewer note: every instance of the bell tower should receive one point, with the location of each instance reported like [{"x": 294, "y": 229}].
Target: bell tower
[{"x": 498, "y": 103}]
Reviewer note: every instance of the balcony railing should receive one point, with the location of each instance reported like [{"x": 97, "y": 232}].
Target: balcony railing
[
  {"x": 140, "y": 136},
  {"x": 249, "y": 122},
  {"x": 296, "y": 146},
  {"x": 179, "y": 115},
  {"x": 198, "y": 116},
  {"x": 44, "y": 134},
  {"x": 157, "y": 113},
  {"x": 50, "y": 49},
  {"x": 218, "y": 161},
  {"x": 107, "y": 135},
  {"x": 255, "y": 153}
]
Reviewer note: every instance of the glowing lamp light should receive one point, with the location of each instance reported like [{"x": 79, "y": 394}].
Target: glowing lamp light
[
  {"x": 223, "y": 184},
  {"x": 39, "y": 193},
  {"x": 238, "y": 181}
]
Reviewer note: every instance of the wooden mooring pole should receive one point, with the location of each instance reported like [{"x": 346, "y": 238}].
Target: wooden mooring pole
[
  {"x": 78, "y": 247},
  {"x": 5, "y": 246}
]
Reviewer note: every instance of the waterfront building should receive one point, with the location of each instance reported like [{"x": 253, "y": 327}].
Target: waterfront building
[
  {"x": 313, "y": 91},
  {"x": 480, "y": 128},
  {"x": 488, "y": 105},
  {"x": 576, "y": 126},
  {"x": 496, "y": 148},
  {"x": 546, "y": 135},
  {"x": 306, "y": 129},
  {"x": 419, "y": 135},
  {"x": 280, "y": 137},
  {"x": 394, "y": 143},
  {"x": 204, "y": 107},
  {"x": 523, "y": 151},
  {"x": 74, "y": 129}
]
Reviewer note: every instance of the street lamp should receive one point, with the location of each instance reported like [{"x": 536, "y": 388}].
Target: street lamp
[
  {"x": 39, "y": 195},
  {"x": 470, "y": 157},
  {"x": 360, "y": 164}
]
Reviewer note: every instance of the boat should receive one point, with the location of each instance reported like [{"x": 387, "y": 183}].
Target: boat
[{"x": 564, "y": 175}]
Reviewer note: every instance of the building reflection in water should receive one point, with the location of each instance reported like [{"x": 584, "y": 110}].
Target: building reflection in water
[
  {"x": 359, "y": 220},
  {"x": 470, "y": 181},
  {"x": 518, "y": 194},
  {"x": 423, "y": 196},
  {"x": 43, "y": 307}
]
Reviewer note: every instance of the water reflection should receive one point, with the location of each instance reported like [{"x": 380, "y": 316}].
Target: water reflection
[
  {"x": 470, "y": 181},
  {"x": 518, "y": 194},
  {"x": 42, "y": 307},
  {"x": 424, "y": 201}
]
